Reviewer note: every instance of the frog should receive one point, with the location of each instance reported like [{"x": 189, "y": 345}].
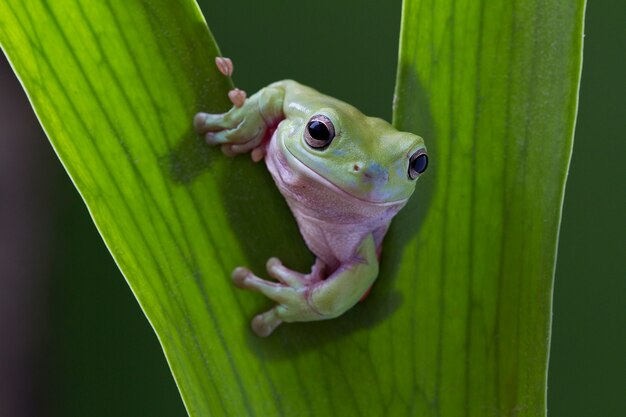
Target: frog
[{"x": 344, "y": 176}]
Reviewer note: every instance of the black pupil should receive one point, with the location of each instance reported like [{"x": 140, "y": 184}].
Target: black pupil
[
  {"x": 420, "y": 163},
  {"x": 319, "y": 131}
]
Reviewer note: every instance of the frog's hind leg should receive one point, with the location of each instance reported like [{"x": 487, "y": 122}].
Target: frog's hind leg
[{"x": 291, "y": 294}]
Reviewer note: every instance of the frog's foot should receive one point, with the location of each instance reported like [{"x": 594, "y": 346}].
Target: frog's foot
[
  {"x": 290, "y": 293},
  {"x": 247, "y": 125},
  {"x": 234, "y": 130}
]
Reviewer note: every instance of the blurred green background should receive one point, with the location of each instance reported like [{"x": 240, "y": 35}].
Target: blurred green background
[{"x": 75, "y": 342}]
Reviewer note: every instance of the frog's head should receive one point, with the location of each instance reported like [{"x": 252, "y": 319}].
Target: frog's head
[{"x": 364, "y": 156}]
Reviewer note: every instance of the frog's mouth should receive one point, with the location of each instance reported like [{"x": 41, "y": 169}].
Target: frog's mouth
[{"x": 309, "y": 172}]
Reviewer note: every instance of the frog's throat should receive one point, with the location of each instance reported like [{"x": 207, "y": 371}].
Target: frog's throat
[{"x": 325, "y": 181}]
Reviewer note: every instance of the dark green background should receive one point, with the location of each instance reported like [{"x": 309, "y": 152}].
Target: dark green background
[{"x": 92, "y": 353}]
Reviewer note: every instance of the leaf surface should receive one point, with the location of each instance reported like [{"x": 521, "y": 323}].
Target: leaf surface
[
  {"x": 458, "y": 322},
  {"x": 493, "y": 87}
]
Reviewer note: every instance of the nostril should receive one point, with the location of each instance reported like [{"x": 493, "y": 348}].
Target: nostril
[{"x": 356, "y": 167}]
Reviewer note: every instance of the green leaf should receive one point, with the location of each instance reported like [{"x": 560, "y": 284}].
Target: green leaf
[
  {"x": 493, "y": 87},
  {"x": 458, "y": 322}
]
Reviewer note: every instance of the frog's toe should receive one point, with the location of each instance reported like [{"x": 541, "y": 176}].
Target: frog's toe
[
  {"x": 216, "y": 138},
  {"x": 227, "y": 149},
  {"x": 246, "y": 142},
  {"x": 198, "y": 121},
  {"x": 244, "y": 278},
  {"x": 264, "y": 324},
  {"x": 285, "y": 275},
  {"x": 208, "y": 122},
  {"x": 239, "y": 276},
  {"x": 234, "y": 141},
  {"x": 258, "y": 153},
  {"x": 204, "y": 122},
  {"x": 237, "y": 97},
  {"x": 224, "y": 65}
]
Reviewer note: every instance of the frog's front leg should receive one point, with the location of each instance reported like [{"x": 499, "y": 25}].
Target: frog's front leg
[
  {"x": 243, "y": 129},
  {"x": 309, "y": 297}
]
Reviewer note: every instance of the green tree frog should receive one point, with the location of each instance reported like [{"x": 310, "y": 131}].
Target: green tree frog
[{"x": 344, "y": 176}]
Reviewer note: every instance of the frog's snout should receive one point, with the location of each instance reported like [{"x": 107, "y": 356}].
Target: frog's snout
[{"x": 372, "y": 173}]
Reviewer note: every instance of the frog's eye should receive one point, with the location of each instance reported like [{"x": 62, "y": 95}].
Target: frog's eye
[
  {"x": 319, "y": 132},
  {"x": 417, "y": 164}
]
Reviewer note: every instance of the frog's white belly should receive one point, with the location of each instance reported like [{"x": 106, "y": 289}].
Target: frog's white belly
[{"x": 332, "y": 222}]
